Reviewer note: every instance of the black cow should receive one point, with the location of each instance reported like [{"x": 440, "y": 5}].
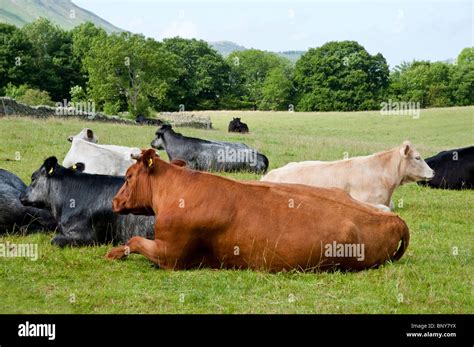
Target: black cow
[
  {"x": 140, "y": 119},
  {"x": 82, "y": 205},
  {"x": 15, "y": 216},
  {"x": 454, "y": 169},
  {"x": 236, "y": 126},
  {"x": 209, "y": 155}
]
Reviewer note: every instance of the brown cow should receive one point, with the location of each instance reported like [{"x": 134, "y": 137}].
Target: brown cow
[{"x": 212, "y": 221}]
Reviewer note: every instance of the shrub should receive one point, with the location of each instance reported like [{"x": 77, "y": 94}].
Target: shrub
[
  {"x": 30, "y": 96},
  {"x": 112, "y": 107}
]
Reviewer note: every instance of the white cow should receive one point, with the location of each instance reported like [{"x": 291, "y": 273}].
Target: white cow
[
  {"x": 371, "y": 179},
  {"x": 86, "y": 134},
  {"x": 99, "y": 159}
]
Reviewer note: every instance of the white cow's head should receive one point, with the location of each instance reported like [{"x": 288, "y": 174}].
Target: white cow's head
[
  {"x": 412, "y": 165},
  {"x": 86, "y": 134}
]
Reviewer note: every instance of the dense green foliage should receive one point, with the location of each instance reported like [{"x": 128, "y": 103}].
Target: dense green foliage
[
  {"x": 128, "y": 72},
  {"x": 30, "y": 96},
  {"x": 340, "y": 76},
  {"x": 256, "y": 74}
]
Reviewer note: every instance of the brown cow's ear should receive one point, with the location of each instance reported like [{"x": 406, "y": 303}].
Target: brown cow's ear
[
  {"x": 148, "y": 158},
  {"x": 178, "y": 162}
]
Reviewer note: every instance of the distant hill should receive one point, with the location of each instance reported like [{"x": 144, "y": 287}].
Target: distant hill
[
  {"x": 291, "y": 55},
  {"x": 61, "y": 12},
  {"x": 227, "y": 47},
  {"x": 67, "y": 15}
]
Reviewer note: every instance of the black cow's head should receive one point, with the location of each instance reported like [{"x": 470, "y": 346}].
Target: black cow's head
[
  {"x": 38, "y": 193},
  {"x": 158, "y": 142}
]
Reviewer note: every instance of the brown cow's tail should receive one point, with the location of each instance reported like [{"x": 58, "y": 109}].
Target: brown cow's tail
[{"x": 404, "y": 240}]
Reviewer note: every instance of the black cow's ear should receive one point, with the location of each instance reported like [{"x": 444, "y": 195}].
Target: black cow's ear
[
  {"x": 50, "y": 165},
  {"x": 78, "y": 167}
]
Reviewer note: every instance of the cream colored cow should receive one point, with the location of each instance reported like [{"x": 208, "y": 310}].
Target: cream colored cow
[{"x": 371, "y": 179}]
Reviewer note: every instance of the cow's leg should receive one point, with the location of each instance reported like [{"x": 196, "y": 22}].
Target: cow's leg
[
  {"x": 73, "y": 238},
  {"x": 155, "y": 250},
  {"x": 66, "y": 240}
]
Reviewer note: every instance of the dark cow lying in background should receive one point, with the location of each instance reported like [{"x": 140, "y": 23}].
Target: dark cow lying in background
[
  {"x": 148, "y": 121},
  {"x": 454, "y": 169},
  {"x": 82, "y": 205},
  {"x": 13, "y": 215},
  {"x": 236, "y": 126},
  {"x": 209, "y": 155}
]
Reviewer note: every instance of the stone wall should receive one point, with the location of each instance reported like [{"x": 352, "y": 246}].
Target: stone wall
[
  {"x": 9, "y": 107},
  {"x": 186, "y": 119}
]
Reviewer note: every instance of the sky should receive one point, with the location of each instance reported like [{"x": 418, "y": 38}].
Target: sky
[{"x": 400, "y": 30}]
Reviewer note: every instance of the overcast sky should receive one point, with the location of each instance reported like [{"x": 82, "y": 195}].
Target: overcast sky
[{"x": 400, "y": 30}]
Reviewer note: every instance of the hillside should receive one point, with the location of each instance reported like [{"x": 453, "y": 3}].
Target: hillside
[
  {"x": 63, "y": 13},
  {"x": 227, "y": 47}
]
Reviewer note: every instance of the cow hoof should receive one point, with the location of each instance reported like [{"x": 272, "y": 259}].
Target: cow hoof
[{"x": 117, "y": 253}]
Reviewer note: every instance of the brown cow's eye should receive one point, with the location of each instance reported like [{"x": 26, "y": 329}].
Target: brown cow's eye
[{"x": 418, "y": 158}]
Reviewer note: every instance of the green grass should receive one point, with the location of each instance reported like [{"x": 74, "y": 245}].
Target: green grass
[{"x": 428, "y": 279}]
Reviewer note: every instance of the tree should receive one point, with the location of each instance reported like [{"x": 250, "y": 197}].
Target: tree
[
  {"x": 340, "y": 76},
  {"x": 15, "y": 57},
  {"x": 83, "y": 37},
  {"x": 55, "y": 70},
  {"x": 466, "y": 56},
  {"x": 250, "y": 69},
  {"x": 462, "y": 85},
  {"x": 462, "y": 78},
  {"x": 129, "y": 67},
  {"x": 423, "y": 82},
  {"x": 277, "y": 90},
  {"x": 202, "y": 76}
]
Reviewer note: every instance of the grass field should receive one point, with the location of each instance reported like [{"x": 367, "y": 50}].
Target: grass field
[{"x": 434, "y": 276}]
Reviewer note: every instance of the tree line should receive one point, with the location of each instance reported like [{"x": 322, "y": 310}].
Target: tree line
[{"x": 125, "y": 72}]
